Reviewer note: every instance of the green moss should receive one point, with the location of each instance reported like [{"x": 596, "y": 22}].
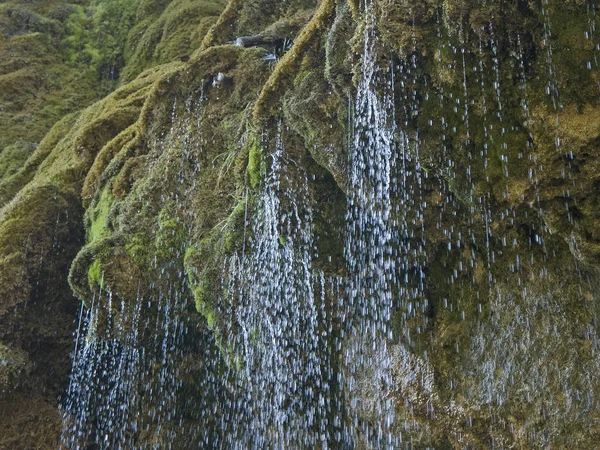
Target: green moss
[
  {"x": 221, "y": 31},
  {"x": 56, "y": 58},
  {"x": 268, "y": 101},
  {"x": 97, "y": 216},
  {"x": 282, "y": 240},
  {"x": 311, "y": 108},
  {"x": 144, "y": 194},
  {"x": 235, "y": 228},
  {"x": 338, "y": 67},
  {"x": 10, "y": 185},
  {"x": 571, "y": 53},
  {"x": 162, "y": 173},
  {"x": 256, "y": 169},
  {"x": 139, "y": 250},
  {"x": 253, "y": 17},
  {"x": 204, "y": 263},
  {"x": 202, "y": 269},
  {"x": 63, "y": 158},
  {"x": 96, "y": 35},
  {"x": 167, "y": 31},
  {"x": 171, "y": 237},
  {"x": 123, "y": 142},
  {"x": 95, "y": 275},
  {"x": 205, "y": 305},
  {"x": 14, "y": 364},
  {"x": 47, "y": 212},
  {"x": 13, "y": 157}
]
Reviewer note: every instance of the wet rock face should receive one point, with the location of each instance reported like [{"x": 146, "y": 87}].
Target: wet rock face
[
  {"x": 13, "y": 363},
  {"x": 391, "y": 223}
]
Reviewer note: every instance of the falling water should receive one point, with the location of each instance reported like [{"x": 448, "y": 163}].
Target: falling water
[
  {"x": 368, "y": 251},
  {"x": 125, "y": 389},
  {"x": 277, "y": 316},
  {"x": 100, "y": 404}
]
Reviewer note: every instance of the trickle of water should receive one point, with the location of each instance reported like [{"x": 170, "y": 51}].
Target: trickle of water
[
  {"x": 590, "y": 34},
  {"x": 125, "y": 383},
  {"x": 552, "y": 85}
]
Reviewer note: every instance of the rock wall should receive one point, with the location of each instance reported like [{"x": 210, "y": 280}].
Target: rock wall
[{"x": 494, "y": 209}]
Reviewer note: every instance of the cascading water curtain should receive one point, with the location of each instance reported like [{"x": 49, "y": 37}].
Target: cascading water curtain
[
  {"x": 306, "y": 360},
  {"x": 371, "y": 268},
  {"x": 277, "y": 319},
  {"x": 101, "y": 401},
  {"x": 125, "y": 383}
]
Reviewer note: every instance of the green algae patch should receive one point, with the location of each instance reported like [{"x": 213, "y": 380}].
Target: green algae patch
[{"x": 98, "y": 216}]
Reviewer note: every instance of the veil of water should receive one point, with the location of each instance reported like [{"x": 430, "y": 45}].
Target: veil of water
[
  {"x": 100, "y": 404},
  {"x": 371, "y": 269},
  {"x": 276, "y": 315}
]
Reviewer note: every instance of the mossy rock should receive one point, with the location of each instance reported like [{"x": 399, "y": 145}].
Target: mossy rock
[
  {"x": 166, "y": 31},
  {"x": 155, "y": 185},
  {"x": 14, "y": 364}
]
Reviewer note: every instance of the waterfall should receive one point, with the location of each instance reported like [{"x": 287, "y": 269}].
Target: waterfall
[
  {"x": 101, "y": 401},
  {"x": 368, "y": 354}
]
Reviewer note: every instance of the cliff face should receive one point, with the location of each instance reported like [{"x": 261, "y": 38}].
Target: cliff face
[{"x": 436, "y": 160}]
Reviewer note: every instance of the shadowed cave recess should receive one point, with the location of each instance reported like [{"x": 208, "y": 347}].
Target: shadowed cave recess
[{"x": 299, "y": 224}]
